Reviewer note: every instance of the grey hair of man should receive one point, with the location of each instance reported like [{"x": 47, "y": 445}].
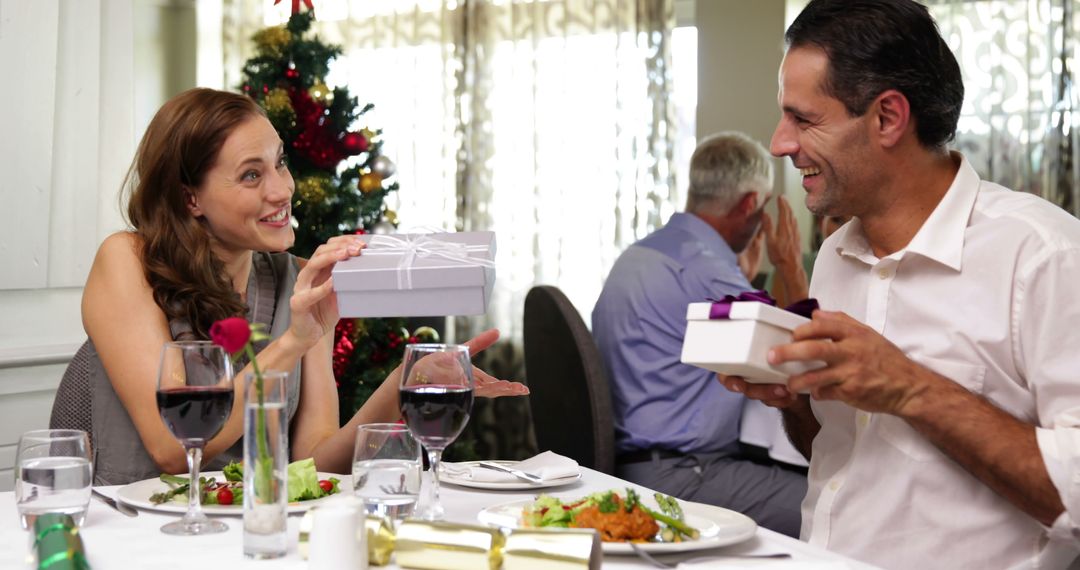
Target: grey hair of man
[{"x": 723, "y": 168}]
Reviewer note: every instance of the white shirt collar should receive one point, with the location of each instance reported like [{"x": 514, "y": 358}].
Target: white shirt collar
[{"x": 941, "y": 237}]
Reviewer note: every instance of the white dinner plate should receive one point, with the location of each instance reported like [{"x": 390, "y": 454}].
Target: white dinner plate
[
  {"x": 718, "y": 526},
  {"x": 137, "y": 494},
  {"x": 509, "y": 485}
]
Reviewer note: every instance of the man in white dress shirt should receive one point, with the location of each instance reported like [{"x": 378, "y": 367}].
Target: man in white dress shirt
[{"x": 944, "y": 429}]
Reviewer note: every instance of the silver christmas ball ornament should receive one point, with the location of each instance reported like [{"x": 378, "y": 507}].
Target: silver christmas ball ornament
[
  {"x": 382, "y": 228},
  {"x": 384, "y": 166}
]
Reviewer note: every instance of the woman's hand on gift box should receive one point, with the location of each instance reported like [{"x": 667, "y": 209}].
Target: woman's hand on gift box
[
  {"x": 486, "y": 385},
  {"x": 313, "y": 303}
]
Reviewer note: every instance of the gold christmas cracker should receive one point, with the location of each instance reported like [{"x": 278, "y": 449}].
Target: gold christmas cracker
[
  {"x": 427, "y": 545},
  {"x": 433, "y": 545},
  {"x": 552, "y": 549}
]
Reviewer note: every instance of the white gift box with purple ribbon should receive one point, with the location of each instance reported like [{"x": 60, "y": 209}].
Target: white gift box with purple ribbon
[
  {"x": 418, "y": 275},
  {"x": 733, "y": 338}
]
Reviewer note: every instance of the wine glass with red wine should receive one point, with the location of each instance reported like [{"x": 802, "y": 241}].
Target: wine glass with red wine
[
  {"x": 195, "y": 398},
  {"x": 436, "y": 400}
]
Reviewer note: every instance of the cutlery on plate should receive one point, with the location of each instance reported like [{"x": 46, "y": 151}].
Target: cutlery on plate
[
  {"x": 660, "y": 564},
  {"x": 122, "y": 508},
  {"x": 515, "y": 472}
]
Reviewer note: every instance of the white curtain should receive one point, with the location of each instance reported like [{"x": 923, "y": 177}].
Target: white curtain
[
  {"x": 548, "y": 122},
  {"x": 1019, "y": 121}
]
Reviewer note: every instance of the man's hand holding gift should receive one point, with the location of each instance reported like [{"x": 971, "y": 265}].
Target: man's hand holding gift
[{"x": 862, "y": 368}]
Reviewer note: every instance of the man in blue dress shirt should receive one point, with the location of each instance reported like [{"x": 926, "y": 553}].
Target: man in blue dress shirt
[{"x": 676, "y": 427}]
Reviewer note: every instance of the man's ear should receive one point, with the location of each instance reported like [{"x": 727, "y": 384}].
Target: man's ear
[
  {"x": 747, "y": 204},
  {"x": 893, "y": 113},
  {"x": 192, "y": 202}
]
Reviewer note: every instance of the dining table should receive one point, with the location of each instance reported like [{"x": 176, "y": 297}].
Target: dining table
[{"x": 113, "y": 541}]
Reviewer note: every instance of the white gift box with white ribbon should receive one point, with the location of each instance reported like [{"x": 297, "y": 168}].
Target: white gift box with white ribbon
[
  {"x": 738, "y": 344},
  {"x": 418, "y": 275}
]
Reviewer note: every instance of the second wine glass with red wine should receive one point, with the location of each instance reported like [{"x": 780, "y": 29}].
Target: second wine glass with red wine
[
  {"x": 436, "y": 400},
  {"x": 195, "y": 398}
]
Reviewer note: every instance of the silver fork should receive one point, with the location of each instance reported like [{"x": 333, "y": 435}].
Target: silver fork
[{"x": 660, "y": 564}]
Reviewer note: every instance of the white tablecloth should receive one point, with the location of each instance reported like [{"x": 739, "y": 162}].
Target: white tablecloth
[{"x": 114, "y": 541}]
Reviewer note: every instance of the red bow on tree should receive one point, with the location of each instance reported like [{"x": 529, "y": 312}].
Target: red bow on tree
[{"x": 296, "y": 5}]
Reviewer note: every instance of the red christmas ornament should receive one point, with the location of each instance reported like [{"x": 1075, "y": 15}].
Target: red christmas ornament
[
  {"x": 292, "y": 73},
  {"x": 317, "y": 141},
  {"x": 296, "y": 5},
  {"x": 359, "y": 231},
  {"x": 343, "y": 347},
  {"x": 354, "y": 143}
]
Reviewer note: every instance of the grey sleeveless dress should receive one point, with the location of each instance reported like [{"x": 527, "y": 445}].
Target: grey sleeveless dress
[{"x": 119, "y": 455}]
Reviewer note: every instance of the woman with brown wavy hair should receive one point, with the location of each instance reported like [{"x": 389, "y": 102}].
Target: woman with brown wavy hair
[{"x": 210, "y": 212}]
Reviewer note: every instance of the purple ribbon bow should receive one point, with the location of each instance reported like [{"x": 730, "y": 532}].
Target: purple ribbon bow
[{"x": 722, "y": 309}]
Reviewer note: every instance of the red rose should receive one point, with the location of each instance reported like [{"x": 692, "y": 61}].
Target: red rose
[{"x": 231, "y": 334}]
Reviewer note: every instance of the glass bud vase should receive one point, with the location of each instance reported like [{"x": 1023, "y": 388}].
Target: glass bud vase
[{"x": 266, "y": 459}]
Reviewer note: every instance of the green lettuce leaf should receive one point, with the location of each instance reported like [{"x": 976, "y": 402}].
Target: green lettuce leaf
[{"x": 304, "y": 481}]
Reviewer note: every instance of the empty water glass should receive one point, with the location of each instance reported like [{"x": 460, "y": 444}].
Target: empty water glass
[
  {"x": 53, "y": 474},
  {"x": 386, "y": 469}
]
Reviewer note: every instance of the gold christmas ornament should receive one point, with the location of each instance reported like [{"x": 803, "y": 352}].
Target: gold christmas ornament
[
  {"x": 321, "y": 93},
  {"x": 370, "y": 182},
  {"x": 368, "y": 133},
  {"x": 279, "y": 108},
  {"x": 390, "y": 216},
  {"x": 272, "y": 42},
  {"x": 313, "y": 188},
  {"x": 360, "y": 330}
]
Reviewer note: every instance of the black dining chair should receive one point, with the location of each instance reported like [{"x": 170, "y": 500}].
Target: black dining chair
[{"x": 570, "y": 399}]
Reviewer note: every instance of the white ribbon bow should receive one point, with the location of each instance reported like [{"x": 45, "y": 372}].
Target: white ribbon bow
[{"x": 412, "y": 247}]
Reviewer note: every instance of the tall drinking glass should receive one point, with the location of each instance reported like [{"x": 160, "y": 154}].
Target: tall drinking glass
[
  {"x": 52, "y": 474},
  {"x": 266, "y": 460},
  {"x": 386, "y": 469},
  {"x": 436, "y": 400},
  {"x": 195, "y": 398}
]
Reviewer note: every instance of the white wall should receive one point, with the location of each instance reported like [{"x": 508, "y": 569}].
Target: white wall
[
  {"x": 66, "y": 115},
  {"x": 99, "y": 70},
  {"x": 740, "y": 46}
]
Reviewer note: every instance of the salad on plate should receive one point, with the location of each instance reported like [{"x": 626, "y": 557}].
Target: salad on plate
[
  {"x": 304, "y": 485},
  {"x": 616, "y": 518}
]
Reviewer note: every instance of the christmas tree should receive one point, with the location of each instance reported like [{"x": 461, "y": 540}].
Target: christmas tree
[{"x": 341, "y": 182}]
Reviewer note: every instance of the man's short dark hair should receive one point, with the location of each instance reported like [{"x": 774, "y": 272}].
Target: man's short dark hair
[{"x": 876, "y": 45}]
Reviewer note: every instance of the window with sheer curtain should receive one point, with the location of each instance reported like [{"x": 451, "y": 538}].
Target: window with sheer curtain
[
  {"x": 550, "y": 122},
  {"x": 1018, "y": 124}
]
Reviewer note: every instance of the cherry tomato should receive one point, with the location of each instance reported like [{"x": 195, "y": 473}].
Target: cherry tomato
[
  {"x": 224, "y": 496},
  {"x": 326, "y": 486}
]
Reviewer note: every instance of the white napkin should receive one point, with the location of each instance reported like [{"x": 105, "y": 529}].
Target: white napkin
[{"x": 547, "y": 465}]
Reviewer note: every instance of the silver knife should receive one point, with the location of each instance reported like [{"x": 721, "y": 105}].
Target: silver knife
[
  {"x": 515, "y": 472},
  {"x": 122, "y": 508}
]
